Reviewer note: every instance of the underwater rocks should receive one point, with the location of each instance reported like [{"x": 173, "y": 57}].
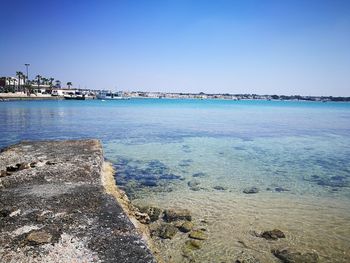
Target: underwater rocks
[
  {"x": 171, "y": 215},
  {"x": 287, "y": 255},
  {"x": 336, "y": 181},
  {"x": 198, "y": 234},
  {"x": 281, "y": 189},
  {"x": 193, "y": 244},
  {"x": 220, "y": 188},
  {"x": 149, "y": 183},
  {"x": 151, "y": 211},
  {"x": 200, "y": 174},
  {"x": 186, "y": 226},
  {"x": 170, "y": 177},
  {"x": 193, "y": 183},
  {"x": 165, "y": 231},
  {"x": 251, "y": 190},
  {"x": 272, "y": 234},
  {"x": 133, "y": 176}
]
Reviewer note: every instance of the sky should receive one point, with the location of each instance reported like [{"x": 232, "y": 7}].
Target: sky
[{"x": 218, "y": 46}]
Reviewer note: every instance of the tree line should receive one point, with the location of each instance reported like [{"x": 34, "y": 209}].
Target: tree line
[{"x": 23, "y": 84}]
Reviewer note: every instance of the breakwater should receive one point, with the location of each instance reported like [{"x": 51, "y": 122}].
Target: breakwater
[{"x": 57, "y": 205}]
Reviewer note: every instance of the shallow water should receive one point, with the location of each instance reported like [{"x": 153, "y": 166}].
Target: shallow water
[{"x": 159, "y": 146}]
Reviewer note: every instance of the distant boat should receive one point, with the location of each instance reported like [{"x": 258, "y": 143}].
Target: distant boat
[
  {"x": 107, "y": 95},
  {"x": 74, "y": 96}
]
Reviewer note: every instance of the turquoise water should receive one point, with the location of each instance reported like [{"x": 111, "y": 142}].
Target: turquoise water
[{"x": 159, "y": 146}]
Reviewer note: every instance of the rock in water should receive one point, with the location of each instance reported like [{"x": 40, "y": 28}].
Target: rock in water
[
  {"x": 193, "y": 183},
  {"x": 199, "y": 174},
  {"x": 177, "y": 214},
  {"x": 153, "y": 212},
  {"x": 39, "y": 237},
  {"x": 220, "y": 188},
  {"x": 186, "y": 226},
  {"x": 166, "y": 231},
  {"x": 287, "y": 255},
  {"x": 251, "y": 190},
  {"x": 142, "y": 217},
  {"x": 193, "y": 244},
  {"x": 273, "y": 234},
  {"x": 198, "y": 234},
  {"x": 281, "y": 189}
]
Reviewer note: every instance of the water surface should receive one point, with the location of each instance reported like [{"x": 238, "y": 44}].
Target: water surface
[{"x": 159, "y": 146}]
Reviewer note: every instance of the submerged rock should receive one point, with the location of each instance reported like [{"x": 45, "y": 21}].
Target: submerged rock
[
  {"x": 150, "y": 183},
  {"x": 281, "y": 189},
  {"x": 186, "y": 226},
  {"x": 193, "y": 244},
  {"x": 251, "y": 190},
  {"x": 177, "y": 214},
  {"x": 246, "y": 258},
  {"x": 193, "y": 183},
  {"x": 287, "y": 255},
  {"x": 333, "y": 181},
  {"x": 170, "y": 177},
  {"x": 220, "y": 188},
  {"x": 200, "y": 174},
  {"x": 272, "y": 234},
  {"x": 198, "y": 234},
  {"x": 166, "y": 231},
  {"x": 151, "y": 211}
]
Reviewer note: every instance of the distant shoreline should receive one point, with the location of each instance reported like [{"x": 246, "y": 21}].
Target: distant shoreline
[{"x": 190, "y": 96}]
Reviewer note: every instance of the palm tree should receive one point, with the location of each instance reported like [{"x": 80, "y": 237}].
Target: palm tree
[
  {"x": 45, "y": 80},
  {"x": 58, "y": 83},
  {"x": 38, "y": 77},
  {"x": 50, "y": 81},
  {"x": 19, "y": 74},
  {"x": 69, "y": 84}
]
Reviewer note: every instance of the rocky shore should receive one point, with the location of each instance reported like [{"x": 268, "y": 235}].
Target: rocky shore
[{"x": 59, "y": 204}]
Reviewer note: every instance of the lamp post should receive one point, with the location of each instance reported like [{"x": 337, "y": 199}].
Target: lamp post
[
  {"x": 27, "y": 65},
  {"x": 27, "y": 86}
]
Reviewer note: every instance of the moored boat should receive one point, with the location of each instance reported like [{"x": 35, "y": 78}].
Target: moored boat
[
  {"x": 74, "y": 96},
  {"x": 108, "y": 95}
]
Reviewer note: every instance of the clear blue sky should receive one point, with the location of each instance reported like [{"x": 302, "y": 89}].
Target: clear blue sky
[{"x": 264, "y": 47}]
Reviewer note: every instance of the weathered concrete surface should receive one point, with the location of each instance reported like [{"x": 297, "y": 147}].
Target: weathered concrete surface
[{"x": 53, "y": 207}]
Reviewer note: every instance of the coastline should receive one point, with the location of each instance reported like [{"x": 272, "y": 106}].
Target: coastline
[{"x": 110, "y": 186}]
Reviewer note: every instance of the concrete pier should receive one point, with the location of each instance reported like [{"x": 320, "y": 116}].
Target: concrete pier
[{"x": 54, "y": 207}]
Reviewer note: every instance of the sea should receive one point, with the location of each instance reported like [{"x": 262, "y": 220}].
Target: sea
[{"x": 206, "y": 155}]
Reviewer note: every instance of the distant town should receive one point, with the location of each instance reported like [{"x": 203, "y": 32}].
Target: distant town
[{"x": 21, "y": 87}]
